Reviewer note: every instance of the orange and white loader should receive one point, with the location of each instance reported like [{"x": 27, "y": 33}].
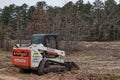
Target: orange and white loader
[{"x": 39, "y": 56}]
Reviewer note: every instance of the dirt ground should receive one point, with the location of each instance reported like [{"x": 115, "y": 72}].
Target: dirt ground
[{"x": 96, "y": 60}]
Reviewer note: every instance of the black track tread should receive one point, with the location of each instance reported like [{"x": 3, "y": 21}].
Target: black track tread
[{"x": 41, "y": 67}]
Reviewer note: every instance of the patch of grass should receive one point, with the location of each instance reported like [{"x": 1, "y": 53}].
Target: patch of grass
[
  {"x": 111, "y": 77},
  {"x": 90, "y": 57},
  {"x": 5, "y": 52}
]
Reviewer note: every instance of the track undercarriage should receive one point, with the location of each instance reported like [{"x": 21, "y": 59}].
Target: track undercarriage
[{"x": 52, "y": 66}]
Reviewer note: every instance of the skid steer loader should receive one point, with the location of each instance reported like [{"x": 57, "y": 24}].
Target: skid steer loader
[{"x": 42, "y": 55}]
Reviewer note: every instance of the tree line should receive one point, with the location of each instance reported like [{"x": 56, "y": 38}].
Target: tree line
[{"x": 98, "y": 21}]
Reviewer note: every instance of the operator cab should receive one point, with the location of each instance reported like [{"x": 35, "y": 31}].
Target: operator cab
[{"x": 48, "y": 40}]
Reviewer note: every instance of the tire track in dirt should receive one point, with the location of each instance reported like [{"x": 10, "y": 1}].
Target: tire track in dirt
[{"x": 5, "y": 77}]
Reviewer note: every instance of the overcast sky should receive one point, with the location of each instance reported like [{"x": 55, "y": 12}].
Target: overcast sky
[{"x": 33, "y": 2}]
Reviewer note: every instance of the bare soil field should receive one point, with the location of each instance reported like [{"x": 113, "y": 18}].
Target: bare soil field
[{"x": 96, "y": 60}]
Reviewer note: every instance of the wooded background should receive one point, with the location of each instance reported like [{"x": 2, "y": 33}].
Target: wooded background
[{"x": 99, "y": 21}]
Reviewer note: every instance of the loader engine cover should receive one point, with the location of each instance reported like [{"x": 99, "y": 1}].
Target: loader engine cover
[
  {"x": 21, "y": 57},
  {"x": 25, "y": 57}
]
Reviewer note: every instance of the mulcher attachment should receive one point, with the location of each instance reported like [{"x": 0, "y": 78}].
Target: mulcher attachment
[{"x": 71, "y": 65}]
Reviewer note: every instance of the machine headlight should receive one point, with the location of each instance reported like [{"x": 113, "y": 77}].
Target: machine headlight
[{"x": 14, "y": 53}]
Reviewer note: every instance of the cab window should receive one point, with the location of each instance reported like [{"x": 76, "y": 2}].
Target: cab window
[{"x": 50, "y": 42}]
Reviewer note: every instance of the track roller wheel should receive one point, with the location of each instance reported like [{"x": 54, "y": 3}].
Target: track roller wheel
[{"x": 42, "y": 66}]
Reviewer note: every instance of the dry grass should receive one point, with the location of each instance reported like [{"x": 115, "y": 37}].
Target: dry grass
[{"x": 98, "y": 61}]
